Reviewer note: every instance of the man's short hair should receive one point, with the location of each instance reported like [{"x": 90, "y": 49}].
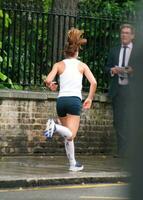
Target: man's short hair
[{"x": 127, "y": 26}]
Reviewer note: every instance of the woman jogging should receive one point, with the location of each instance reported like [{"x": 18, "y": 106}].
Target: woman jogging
[{"x": 69, "y": 101}]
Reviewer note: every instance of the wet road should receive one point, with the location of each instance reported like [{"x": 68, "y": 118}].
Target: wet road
[{"x": 73, "y": 192}]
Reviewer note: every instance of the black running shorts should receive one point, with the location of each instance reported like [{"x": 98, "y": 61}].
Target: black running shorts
[{"x": 68, "y": 105}]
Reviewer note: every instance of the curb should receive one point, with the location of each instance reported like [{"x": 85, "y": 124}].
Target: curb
[{"x": 25, "y": 183}]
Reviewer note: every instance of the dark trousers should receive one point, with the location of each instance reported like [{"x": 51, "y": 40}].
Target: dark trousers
[{"x": 121, "y": 118}]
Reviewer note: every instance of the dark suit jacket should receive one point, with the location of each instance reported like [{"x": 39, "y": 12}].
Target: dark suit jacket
[{"x": 112, "y": 61}]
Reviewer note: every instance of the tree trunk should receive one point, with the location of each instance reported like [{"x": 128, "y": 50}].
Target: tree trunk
[
  {"x": 63, "y": 17},
  {"x": 65, "y": 6}
]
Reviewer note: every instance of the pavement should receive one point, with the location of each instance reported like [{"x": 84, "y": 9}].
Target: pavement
[{"x": 34, "y": 171}]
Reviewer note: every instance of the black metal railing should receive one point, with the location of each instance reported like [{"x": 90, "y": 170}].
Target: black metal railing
[{"x": 33, "y": 41}]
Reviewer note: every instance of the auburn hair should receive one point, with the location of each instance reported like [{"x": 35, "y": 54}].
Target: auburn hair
[{"x": 74, "y": 41}]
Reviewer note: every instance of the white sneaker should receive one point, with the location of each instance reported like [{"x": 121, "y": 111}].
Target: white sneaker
[
  {"x": 76, "y": 167},
  {"x": 50, "y": 128}
]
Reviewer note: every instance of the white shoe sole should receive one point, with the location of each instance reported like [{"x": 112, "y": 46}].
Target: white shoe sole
[{"x": 76, "y": 169}]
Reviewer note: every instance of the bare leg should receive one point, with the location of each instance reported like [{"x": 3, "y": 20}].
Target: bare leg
[
  {"x": 68, "y": 129},
  {"x": 71, "y": 122}
]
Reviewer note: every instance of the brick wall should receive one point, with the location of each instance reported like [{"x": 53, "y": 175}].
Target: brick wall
[{"x": 23, "y": 116}]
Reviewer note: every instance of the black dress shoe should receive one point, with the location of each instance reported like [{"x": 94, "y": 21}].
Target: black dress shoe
[
  {"x": 116, "y": 156},
  {"x": 119, "y": 156}
]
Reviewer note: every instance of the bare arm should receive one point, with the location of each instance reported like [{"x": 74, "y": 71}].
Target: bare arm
[
  {"x": 93, "y": 85},
  {"x": 49, "y": 80}
]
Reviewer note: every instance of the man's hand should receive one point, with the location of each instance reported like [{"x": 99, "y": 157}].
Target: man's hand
[
  {"x": 129, "y": 70},
  {"x": 117, "y": 70}
]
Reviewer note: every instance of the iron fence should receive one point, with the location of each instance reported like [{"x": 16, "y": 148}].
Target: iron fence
[{"x": 32, "y": 41}]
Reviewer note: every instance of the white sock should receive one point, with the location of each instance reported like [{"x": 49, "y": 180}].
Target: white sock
[
  {"x": 69, "y": 147},
  {"x": 63, "y": 131}
]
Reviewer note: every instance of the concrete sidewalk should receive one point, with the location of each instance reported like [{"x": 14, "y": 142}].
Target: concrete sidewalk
[{"x": 27, "y": 171}]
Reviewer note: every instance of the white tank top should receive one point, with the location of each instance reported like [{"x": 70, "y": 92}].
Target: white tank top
[{"x": 71, "y": 79}]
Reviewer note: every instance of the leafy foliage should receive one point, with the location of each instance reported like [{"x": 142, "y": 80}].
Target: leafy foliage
[
  {"x": 5, "y": 81},
  {"x": 106, "y": 7},
  {"x": 42, "y": 5}
]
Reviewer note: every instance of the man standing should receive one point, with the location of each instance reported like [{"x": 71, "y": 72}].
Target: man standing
[{"x": 120, "y": 71}]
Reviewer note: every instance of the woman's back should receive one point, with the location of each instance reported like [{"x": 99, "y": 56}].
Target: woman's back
[{"x": 71, "y": 78}]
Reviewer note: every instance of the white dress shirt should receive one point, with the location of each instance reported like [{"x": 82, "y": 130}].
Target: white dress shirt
[{"x": 124, "y": 81}]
